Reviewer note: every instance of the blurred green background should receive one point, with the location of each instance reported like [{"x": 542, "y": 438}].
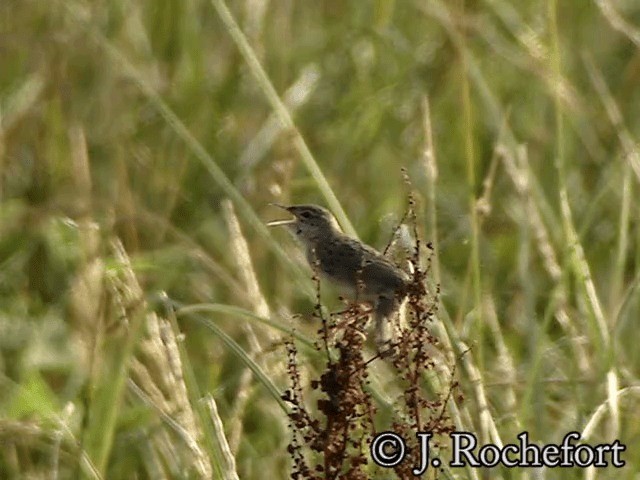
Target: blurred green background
[{"x": 136, "y": 121}]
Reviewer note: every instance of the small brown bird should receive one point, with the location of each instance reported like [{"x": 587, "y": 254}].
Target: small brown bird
[{"x": 362, "y": 271}]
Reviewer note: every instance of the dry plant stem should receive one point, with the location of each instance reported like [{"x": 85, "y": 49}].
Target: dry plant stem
[
  {"x": 490, "y": 104},
  {"x": 508, "y": 140},
  {"x": 431, "y": 170},
  {"x": 345, "y": 408},
  {"x": 294, "y": 98},
  {"x": 447, "y": 333},
  {"x": 259, "y": 306},
  {"x": 618, "y": 22},
  {"x": 575, "y": 248},
  {"x": 240, "y": 252},
  {"x": 505, "y": 362},
  {"x": 196, "y": 251},
  {"x": 631, "y": 154},
  {"x": 599, "y": 326},
  {"x": 17, "y": 105},
  {"x": 86, "y": 293},
  {"x": 126, "y": 204},
  {"x": 109, "y": 378},
  {"x": 443, "y": 325},
  {"x": 488, "y": 430},
  {"x": 413, "y": 358},
  {"x": 473, "y": 211},
  {"x": 474, "y": 267},
  {"x": 161, "y": 409},
  {"x": 158, "y": 370},
  {"x": 86, "y": 290},
  {"x": 519, "y": 172},
  {"x": 246, "y": 210},
  {"x": 230, "y": 467},
  {"x": 160, "y": 374},
  {"x": 283, "y": 114}
]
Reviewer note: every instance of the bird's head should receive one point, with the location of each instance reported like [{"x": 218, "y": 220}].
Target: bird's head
[{"x": 309, "y": 222}]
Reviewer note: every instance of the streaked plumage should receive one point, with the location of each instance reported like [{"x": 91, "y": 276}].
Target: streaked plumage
[{"x": 364, "y": 273}]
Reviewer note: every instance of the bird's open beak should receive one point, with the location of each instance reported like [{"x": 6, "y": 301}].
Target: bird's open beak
[{"x": 275, "y": 223}]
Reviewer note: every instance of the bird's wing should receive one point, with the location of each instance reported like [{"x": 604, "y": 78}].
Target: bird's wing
[{"x": 355, "y": 261}]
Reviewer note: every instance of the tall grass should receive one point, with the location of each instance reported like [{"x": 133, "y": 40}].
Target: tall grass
[{"x": 144, "y": 305}]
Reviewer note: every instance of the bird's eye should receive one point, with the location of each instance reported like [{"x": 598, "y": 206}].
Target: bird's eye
[{"x": 305, "y": 215}]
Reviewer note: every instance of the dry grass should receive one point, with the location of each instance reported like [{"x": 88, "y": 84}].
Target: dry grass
[{"x": 144, "y": 305}]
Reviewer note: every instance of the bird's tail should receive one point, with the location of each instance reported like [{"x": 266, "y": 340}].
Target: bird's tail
[{"x": 384, "y": 310}]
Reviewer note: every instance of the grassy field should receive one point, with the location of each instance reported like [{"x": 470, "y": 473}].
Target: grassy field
[{"x": 150, "y": 323}]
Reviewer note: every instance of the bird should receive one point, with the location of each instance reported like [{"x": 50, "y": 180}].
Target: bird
[{"x": 359, "y": 270}]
